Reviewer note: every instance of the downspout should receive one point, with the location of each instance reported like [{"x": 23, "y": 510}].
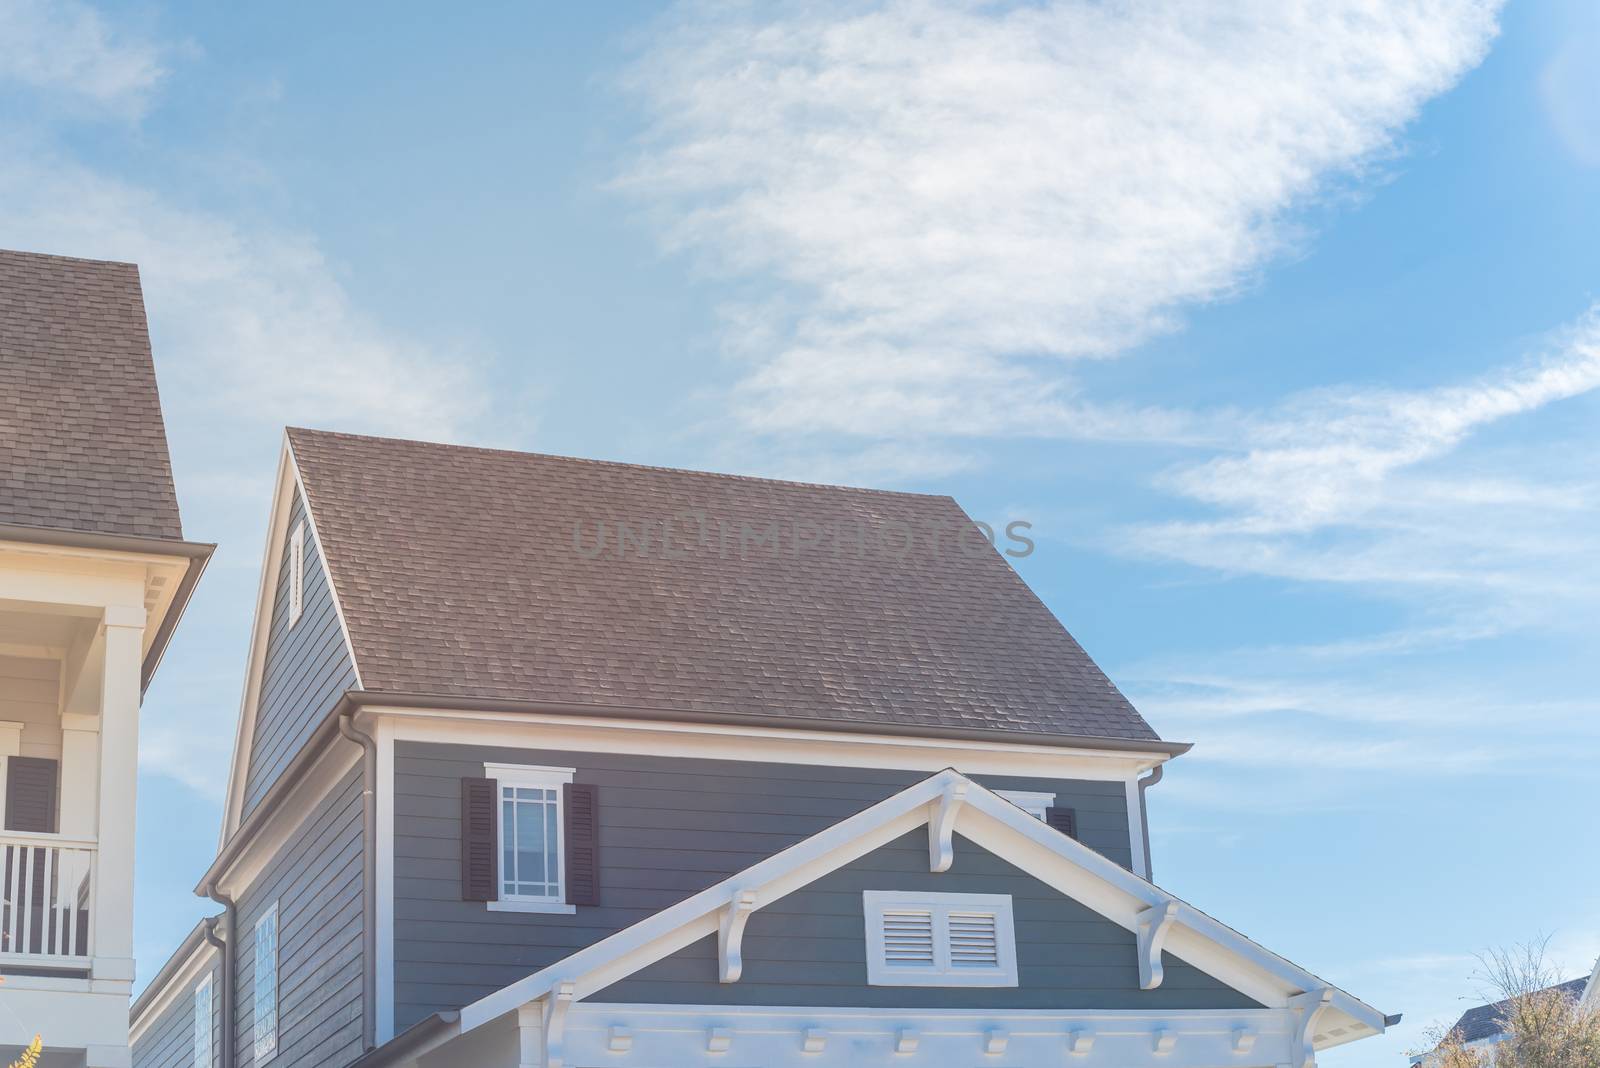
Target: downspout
[
  {"x": 1144, "y": 815},
  {"x": 225, "y": 946},
  {"x": 369, "y": 877}
]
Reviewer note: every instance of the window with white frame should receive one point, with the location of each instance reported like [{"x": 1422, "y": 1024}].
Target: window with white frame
[
  {"x": 203, "y": 1050},
  {"x": 530, "y": 848},
  {"x": 297, "y": 572},
  {"x": 265, "y": 989},
  {"x": 917, "y": 939},
  {"x": 1033, "y": 803}
]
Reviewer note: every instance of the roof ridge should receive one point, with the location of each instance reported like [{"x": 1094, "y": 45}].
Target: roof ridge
[
  {"x": 58, "y": 257},
  {"x": 615, "y": 464}
]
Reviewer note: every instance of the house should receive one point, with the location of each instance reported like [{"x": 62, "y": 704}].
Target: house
[
  {"x": 94, "y": 573},
  {"x": 1482, "y": 1027},
  {"x": 553, "y": 762}
]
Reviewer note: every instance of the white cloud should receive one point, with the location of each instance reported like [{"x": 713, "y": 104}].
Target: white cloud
[
  {"x": 67, "y": 49},
  {"x": 952, "y": 188}
]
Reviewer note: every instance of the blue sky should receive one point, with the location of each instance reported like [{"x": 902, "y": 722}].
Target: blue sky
[{"x": 1276, "y": 323}]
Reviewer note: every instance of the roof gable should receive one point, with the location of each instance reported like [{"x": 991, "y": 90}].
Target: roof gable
[
  {"x": 80, "y": 419},
  {"x": 953, "y": 808},
  {"x": 485, "y": 574}
]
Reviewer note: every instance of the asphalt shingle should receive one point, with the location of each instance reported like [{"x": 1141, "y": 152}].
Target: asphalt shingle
[
  {"x": 82, "y": 444},
  {"x": 489, "y": 574}
]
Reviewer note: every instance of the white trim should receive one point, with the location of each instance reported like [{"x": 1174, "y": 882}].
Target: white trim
[
  {"x": 999, "y": 827},
  {"x": 286, "y": 488},
  {"x": 805, "y": 1037},
  {"x": 1034, "y": 802},
  {"x": 1136, "y": 822},
  {"x": 536, "y": 777},
  {"x": 175, "y": 988},
  {"x": 382, "y": 732},
  {"x": 600, "y": 733},
  {"x": 297, "y": 572},
  {"x": 941, "y": 969},
  {"x": 265, "y": 1050}
]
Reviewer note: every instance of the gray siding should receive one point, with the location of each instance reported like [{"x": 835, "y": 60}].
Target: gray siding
[
  {"x": 810, "y": 948},
  {"x": 169, "y": 1042},
  {"x": 316, "y": 880},
  {"x": 669, "y": 827},
  {"x": 306, "y": 668}
]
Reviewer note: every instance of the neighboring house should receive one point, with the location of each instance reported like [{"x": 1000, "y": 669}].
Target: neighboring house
[
  {"x": 94, "y": 573},
  {"x": 548, "y": 762},
  {"x": 1483, "y": 1027}
]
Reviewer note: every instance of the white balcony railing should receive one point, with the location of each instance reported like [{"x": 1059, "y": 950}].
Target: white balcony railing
[{"x": 46, "y": 885}]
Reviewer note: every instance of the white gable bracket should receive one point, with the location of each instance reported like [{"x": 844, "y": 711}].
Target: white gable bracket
[
  {"x": 730, "y": 935},
  {"x": 1308, "y": 1009},
  {"x": 942, "y": 826},
  {"x": 1153, "y": 925},
  {"x": 551, "y": 1024}
]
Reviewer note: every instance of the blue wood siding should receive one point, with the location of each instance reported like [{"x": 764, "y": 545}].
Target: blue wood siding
[
  {"x": 669, "y": 827},
  {"x": 169, "y": 1041},
  {"x": 810, "y": 948},
  {"x": 306, "y": 669},
  {"x": 316, "y": 879}
]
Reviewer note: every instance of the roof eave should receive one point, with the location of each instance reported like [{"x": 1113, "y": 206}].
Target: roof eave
[
  {"x": 453, "y": 702},
  {"x": 197, "y": 554}
]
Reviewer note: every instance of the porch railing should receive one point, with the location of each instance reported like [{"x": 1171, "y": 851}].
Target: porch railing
[{"x": 46, "y": 886}]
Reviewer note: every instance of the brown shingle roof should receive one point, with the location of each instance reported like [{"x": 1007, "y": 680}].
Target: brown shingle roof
[
  {"x": 459, "y": 575},
  {"x": 82, "y": 445}
]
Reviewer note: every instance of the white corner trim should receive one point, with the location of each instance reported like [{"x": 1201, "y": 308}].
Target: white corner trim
[
  {"x": 1151, "y": 931},
  {"x": 384, "y": 982},
  {"x": 942, "y": 827},
  {"x": 1001, "y": 828}
]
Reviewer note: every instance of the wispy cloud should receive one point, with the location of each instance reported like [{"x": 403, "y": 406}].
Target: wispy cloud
[
  {"x": 70, "y": 51},
  {"x": 954, "y": 193}
]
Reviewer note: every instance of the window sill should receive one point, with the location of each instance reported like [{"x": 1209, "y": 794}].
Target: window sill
[{"x": 549, "y": 908}]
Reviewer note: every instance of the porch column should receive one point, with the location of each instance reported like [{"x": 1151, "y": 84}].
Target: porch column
[
  {"x": 111, "y": 924},
  {"x": 530, "y": 1035},
  {"x": 80, "y": 774}
]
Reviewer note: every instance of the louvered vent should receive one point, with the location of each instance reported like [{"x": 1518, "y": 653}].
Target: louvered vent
[
  {"x": 974, "y": 940},
  {"x": 908, "y": 938}
]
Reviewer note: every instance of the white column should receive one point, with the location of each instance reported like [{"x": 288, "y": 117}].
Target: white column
[
  {"x": 530, "y": 1035},
  {"x": 111, "y": 924},
  {"x": 80, "y": 774}
]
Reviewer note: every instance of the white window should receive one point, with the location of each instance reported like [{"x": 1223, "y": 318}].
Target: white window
[
  {"x": 202, "y": 1024},
  {"x": 1034, "y": 804},
  {"x": 266, "y": 985},
  {"x": 916, "y": 939},
  {"x": 297, "y": 572},
  {"x": 531, "y": 874}
]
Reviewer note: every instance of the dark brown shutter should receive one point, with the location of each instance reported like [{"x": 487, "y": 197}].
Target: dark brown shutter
[
  {"x": 480, "y": 835},
  {"x": 31, "y": 794},
  {"x": 1064, "y": 820},
  {"x": 582, "y": 837}
]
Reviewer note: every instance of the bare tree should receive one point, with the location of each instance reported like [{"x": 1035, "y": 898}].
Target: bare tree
[{"x": 1541, "y": 1024}]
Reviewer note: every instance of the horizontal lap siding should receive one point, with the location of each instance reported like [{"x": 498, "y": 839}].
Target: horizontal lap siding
[
  {"x": 316, "y": 879},
  {"x": 305, "y": 670},
  {"x": 669, "y": 827},
  {"x": 810, "y": 948},
  {"x": 169, "y": 1042}
]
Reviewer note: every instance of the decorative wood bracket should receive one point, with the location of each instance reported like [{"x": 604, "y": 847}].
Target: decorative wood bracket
[
  {"x": 906, "y": 1039},
  {"x": 1080, "y": 1042},
  {"x": 1165, "y": 1040},
  {"x": 719, "y": 1040},
  {"x": 730, "y": 935},
  {"x": 942, "y": 827},
  {"x": 1244, "y": 1040},
  {"x": 995, "y": 1040},
  {"x": 619, "y": 1040},
  {"x": 1309, "y": 1008},
  {"x": 1152, "y": 927},
  {"x": 553, "y": 1023},
  {"x": 815, "y": 1040}
]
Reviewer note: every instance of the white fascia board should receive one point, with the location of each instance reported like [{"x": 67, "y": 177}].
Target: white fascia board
[{"x": 999, "y": 827}]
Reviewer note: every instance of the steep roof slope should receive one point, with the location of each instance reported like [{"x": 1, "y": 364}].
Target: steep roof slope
[
  {"x": 459, "y": 574},
  {"x": 82, "y": 444}
]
